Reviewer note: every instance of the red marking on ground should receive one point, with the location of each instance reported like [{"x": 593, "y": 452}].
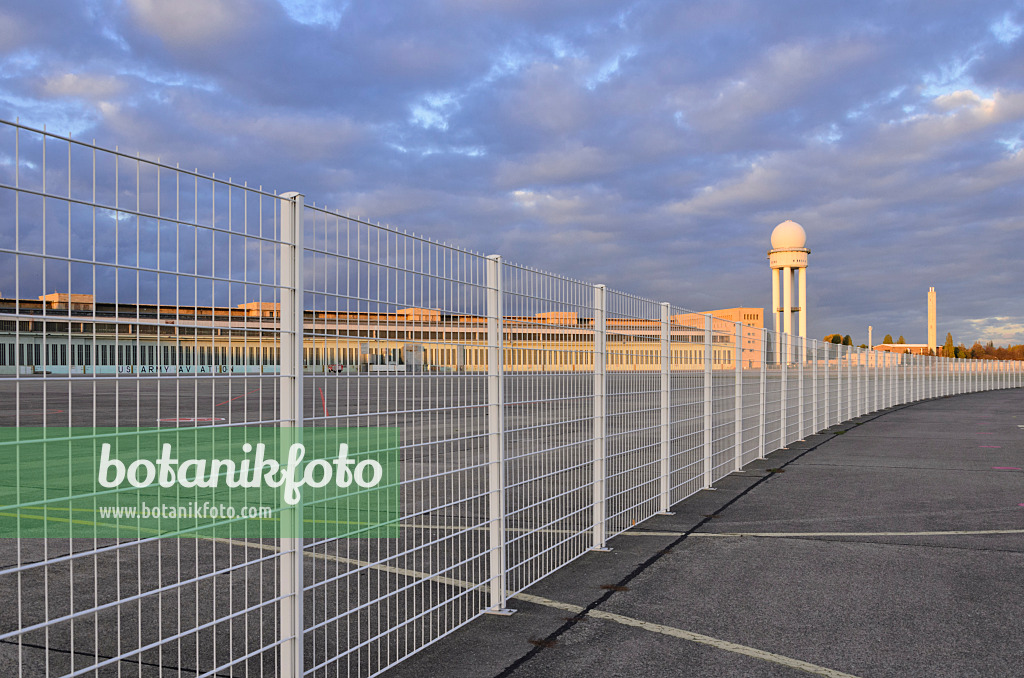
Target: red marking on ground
[
  {"x": 1007, "y": 468},
  {"x": 323, "y": 400},
  {"x": 42, "y": 411},
  {"x": 237, "y": 397},
  {"x": 994, "y": 447},
  {"x": 190, "y": 420},
  {"x": 985, "y": 433}
]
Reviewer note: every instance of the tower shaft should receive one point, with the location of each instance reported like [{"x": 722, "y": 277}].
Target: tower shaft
[{"x": 931, "y": 320}]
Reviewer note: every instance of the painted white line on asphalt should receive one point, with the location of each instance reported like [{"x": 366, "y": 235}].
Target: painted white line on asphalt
[
  {"x": 721, "y": 644},
  {"x": 576, "y": 609}
]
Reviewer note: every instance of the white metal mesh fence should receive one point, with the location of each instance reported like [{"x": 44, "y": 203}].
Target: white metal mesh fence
[{"x": 538, "y": 416}]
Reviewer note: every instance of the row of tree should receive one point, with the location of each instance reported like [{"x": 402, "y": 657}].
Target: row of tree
[
  {"x": 984, "y": 352},
  {"x": 839, "y": 339},
  {"x": 948, "y": 349}
]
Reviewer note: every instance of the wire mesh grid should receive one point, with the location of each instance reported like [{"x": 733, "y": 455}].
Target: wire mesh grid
[
  {"x": 135, "y": 295},
  {"x": 550, "y": 420},
  {"x": 536, "y": 416}
]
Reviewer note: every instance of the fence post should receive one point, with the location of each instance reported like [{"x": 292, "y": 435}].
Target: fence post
[
  {"x": 828, "y": 393},
  {"x": 876, "y": 381},
  {"x": 814, "y": 386},
  {"x": 933, "y": 374},
  {"x": 897, "y": 381},
  {"x": 802, "y": 354},
  {"x": 291, "y": 416},
  {"x": 908, "y": 378},
  {"x": 666, "y": 407},
  {"x": 926, "y": 376},
  {"x": 851, "y": 389},
  {"x": 922, "y": 376},
  {"x": 708, "y": 399},
  {"x": 859, "y": 407},
  {"x": 926, "y": 386},
  {"x": 498, "y": 564},
  {"x": 763, "y": 394},
  {"x": 839, "y": 383},
  {"x": 886, "y": 381},
  {"x": 915, "y": 386},
  {"x": 784, "y": 390},
  {"x": 853, "y": 382},
  {"x": 911, "y": 378},
  {"x": 894, "y": 379},
  {"x": 738, "y": 397},
  {"x": 600, "y": 389}
]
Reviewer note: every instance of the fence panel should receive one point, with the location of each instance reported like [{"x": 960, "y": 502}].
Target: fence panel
[
  {"x": 533, "y": 417},
  {"x": 141, "y": 296}
]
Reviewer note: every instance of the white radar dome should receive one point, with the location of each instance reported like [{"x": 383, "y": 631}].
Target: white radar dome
[{"x": 788, "y": 235}]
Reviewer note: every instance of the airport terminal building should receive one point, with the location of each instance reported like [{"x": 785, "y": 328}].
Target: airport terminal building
[{"x": 63, "y": 333}]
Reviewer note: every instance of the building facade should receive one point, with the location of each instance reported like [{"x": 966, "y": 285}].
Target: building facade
[{"x": 73, "y": 334}]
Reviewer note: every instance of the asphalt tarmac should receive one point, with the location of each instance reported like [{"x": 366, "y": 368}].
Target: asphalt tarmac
[{"x": 890, "y": 545}]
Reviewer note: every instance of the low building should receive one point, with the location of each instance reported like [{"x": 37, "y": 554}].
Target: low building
[
  {"x": 74, "y": 334},
  {"x": 912, "y": 349}
]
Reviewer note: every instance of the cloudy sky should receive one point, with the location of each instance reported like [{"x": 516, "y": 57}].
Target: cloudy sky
[{"x": 651, "y": 146}]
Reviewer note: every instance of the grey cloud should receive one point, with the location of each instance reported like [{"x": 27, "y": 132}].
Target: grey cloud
[{"x": 649, "y": 146}]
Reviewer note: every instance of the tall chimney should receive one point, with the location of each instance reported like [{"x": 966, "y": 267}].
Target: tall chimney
[{"x": 931, "y": 319}]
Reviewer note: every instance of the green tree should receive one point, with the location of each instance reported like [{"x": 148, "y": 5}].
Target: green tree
[
  {"x": 888, "y": 339},
  {"x": 901, "y": 340},
  {"x": 847, "y": 340},
  {"x": 948, "y": 349},
  {"x": 863, "y": 346},
  {"x": 836, "y": 339}
]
